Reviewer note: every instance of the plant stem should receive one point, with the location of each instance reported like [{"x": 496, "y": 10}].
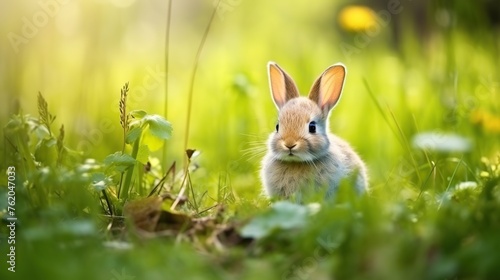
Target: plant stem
[
  {"x": 130, "y": 171},
  {"x": 110, "y": 207},
  {"x": 193, "y": 76},
  {"x": 167, "y": 51}
]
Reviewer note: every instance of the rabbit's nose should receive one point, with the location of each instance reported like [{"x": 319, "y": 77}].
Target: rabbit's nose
[{"x": 290, "y": 147}]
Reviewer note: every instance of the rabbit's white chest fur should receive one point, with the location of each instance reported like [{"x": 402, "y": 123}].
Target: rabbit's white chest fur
[{"x": 284, "y": 178}]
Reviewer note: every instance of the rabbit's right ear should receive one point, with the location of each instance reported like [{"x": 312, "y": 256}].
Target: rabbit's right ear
[
  {"x": 327, "y": 89},
  {"x": 281, "y": 84}
]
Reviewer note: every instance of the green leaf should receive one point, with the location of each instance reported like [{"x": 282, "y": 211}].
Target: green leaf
[
  {"x": 158, "y": 126},
  {"x": 46, "y": 151},
  {"x": 15, "y": 122},
  {"x": 133, "y": 134},
  {"x": 69, "y": 157},
  {"x": 153, "y": 142},
  {"x": 283, "y": 215},
  {"x": 120, "y": 161},
  {"x": 41, "y": 132},
  {"x": 100, "y": 181},
  {"x": 138, "y": 114}
]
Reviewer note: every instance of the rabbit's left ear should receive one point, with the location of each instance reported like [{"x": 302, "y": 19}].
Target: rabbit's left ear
[
  {"x": 327, "y": 89},
  {"x": 282, "y": 86}
]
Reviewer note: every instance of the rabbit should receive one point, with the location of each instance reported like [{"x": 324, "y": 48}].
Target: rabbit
[{"x": 301, "y": 152}]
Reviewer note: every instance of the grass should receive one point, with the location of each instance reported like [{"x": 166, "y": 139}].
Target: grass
[{"x": 430, "y": 214}]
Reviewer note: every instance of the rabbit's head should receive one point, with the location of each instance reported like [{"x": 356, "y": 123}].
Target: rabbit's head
[{"x": 302, "y": 131}]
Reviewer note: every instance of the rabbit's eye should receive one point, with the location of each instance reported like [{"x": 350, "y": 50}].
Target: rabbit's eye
[
  {"x": 277, "y": 127},
  {"x": 312, "y": 127}
]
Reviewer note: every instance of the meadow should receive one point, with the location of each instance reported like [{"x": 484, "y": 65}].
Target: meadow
[{"x": 133, "y": 134}]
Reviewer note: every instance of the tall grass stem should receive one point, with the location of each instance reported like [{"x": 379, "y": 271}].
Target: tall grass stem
[
  {"x": 167, "y": 56},
  {"x": 193, "y": 77}
]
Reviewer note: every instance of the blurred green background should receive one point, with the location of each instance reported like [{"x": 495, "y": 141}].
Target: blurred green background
[{"x": 413, "y": 67}]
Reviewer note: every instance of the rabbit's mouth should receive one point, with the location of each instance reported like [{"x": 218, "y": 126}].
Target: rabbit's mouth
[{"x": 292, "y": 156}]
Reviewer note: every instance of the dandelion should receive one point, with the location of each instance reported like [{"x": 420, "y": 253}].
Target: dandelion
[
  {"x": 357, "y": 18},
  {"x": 486, "y": 121}
]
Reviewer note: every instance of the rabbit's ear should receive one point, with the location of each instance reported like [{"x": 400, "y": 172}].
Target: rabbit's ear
[
  {"x": 282, "y": 86},
  {"x": 327, "y": 89}
]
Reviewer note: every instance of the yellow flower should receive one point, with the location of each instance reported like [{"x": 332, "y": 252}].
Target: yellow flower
[
  {"x": 357, "y": 18},
  {"x": 487, "y": 121}
]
